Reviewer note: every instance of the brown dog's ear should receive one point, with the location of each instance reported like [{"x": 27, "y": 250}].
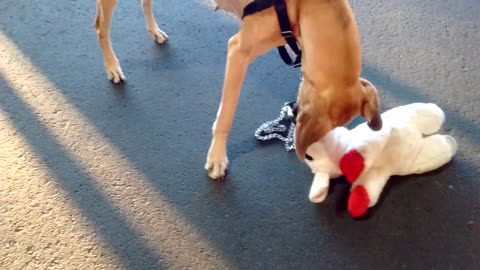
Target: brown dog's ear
[
  {"x": 310, "y": 127},
  {"x": 371, "y": 105}
]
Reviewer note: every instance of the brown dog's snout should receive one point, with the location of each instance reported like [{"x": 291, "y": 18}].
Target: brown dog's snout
[{"x": 310, "y": 128}]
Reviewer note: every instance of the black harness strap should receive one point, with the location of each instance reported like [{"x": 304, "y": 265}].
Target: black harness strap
[
  {"x": 286, "y": 28},
  {"x": 257, "y": 6}
]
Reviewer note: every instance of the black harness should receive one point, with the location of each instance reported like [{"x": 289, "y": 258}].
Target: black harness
[
  {"x": 291, "y": 53},
  {"x": 282, "y": 128}
]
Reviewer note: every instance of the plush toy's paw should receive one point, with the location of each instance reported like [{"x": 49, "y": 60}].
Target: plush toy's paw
[
  {"x": 452, "y": 143},
  {"x": 358, "y": 201},
  {"x": 352, "y": 165},
  {"x": 319, "y": 188}
]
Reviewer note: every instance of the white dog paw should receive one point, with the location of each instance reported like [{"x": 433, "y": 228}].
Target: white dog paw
[
  {"x": 115, "y": 73},
  {"x": 158, "y": 35},
  {"x": 216, "y": 168}
]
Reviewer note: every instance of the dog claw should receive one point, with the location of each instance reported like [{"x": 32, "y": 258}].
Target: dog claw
[
  {"x": 216, "y": 170},
  {"x": 158, "y": 35},
  {"x": 115, "y": 74}
]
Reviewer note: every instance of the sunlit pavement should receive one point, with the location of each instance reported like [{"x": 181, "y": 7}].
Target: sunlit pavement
[{"x": 100, "y": 176}]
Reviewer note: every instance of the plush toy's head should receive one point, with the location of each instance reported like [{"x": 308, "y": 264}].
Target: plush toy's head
[
  {"x": 406, "y": 144},
  {"x": 323, "y": 157},
  {"x": 321, "y": 111}
]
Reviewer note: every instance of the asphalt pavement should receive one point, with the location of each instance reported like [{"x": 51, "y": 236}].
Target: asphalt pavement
[{"x": 101, "y": 176}]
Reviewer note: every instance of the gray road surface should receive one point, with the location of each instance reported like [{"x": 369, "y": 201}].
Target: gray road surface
[{"x": 98, "y": 176}]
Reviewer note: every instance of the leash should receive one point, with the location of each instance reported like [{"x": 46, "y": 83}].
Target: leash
[{"x": 282, "y": 128}]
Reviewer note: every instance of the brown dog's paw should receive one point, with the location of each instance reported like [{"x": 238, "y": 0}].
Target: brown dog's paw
[
  {"x": 158, "y": 35},
  {"x": 216, "y": 169},
  {"x": 114, "y": 72}
]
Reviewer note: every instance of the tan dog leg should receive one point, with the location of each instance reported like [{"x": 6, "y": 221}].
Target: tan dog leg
[
  {"x": 236, "y": 67},
  {"x": 158, "y": 35},
  {"x": 102, "y": 24},
  {"x": 252, "y": 40}
]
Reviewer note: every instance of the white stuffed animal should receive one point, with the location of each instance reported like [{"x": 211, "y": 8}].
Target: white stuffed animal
[{"x": 405, "y": 145}]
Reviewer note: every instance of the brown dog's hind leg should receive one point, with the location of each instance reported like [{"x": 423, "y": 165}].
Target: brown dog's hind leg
[
  {"x": 102, "y": 25},
  {"x": 153, "y": 30}
]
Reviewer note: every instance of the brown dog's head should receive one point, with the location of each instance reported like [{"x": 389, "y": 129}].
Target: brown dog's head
[{"x": 321, "y": 110}]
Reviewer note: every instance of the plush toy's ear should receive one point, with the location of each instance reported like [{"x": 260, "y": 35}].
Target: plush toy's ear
[
  {"x": 371, "y": 105},
  {"x": 311, "y": 126},
  {"x": 351, "y": 165}
]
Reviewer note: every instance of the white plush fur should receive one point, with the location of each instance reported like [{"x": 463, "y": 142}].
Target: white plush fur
[{"x": 405, "y": 145}]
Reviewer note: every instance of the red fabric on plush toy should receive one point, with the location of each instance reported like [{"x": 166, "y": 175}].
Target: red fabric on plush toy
[
  {"x": 351, "y": 164},
  {"x": 406, "y": 144}
]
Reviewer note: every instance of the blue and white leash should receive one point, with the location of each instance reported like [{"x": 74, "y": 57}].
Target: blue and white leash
[{"x": 283, "y": 124}]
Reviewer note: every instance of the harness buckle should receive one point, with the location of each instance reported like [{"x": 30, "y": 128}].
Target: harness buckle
[{"x": 287, "y": 34}]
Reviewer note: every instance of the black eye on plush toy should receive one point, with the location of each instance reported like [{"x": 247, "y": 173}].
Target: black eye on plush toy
[{"x": 308, "y": 157}]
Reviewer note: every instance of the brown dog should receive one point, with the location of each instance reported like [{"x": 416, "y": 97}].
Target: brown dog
[
  {"x": 102, "y": 25},
  {"x": 331, "y": 93}
]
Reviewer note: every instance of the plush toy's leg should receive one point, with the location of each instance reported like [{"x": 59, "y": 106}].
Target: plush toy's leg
[
  {"x": 435, "y": 151},
  {"x": 429, "y": 118},
  {"x": 365, "y": 192},
  {"x": 319, "y": 188},
  {"x": 358, "y": 201}
]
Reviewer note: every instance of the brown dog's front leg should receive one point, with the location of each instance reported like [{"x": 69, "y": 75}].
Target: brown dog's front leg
[
  {"x": 102, "y": 25},
  {"x": 258, "y": 34},
  {"x": 237, "y": 63}
]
